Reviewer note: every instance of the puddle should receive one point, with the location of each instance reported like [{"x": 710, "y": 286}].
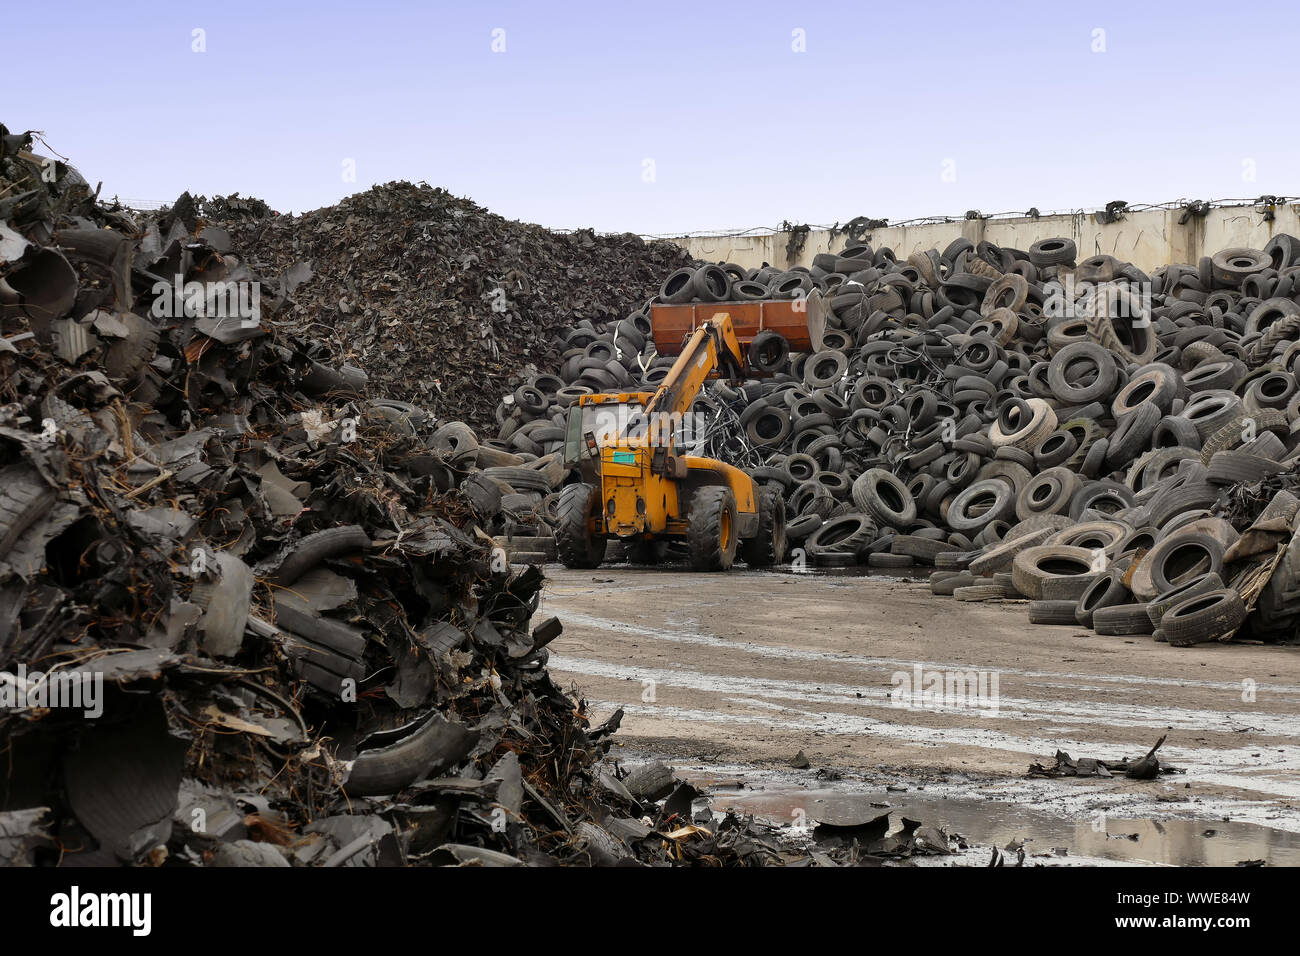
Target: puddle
[{"x": 992, "y": 823}]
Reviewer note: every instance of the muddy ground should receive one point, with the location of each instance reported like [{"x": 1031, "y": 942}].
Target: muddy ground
[{"x": 728, "y": 677}]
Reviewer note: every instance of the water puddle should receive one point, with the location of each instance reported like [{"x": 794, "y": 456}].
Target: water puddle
[{"x": 1001, "y": 824}]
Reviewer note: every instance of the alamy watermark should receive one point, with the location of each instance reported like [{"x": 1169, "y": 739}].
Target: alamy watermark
[
  {"x": 74, "y": 909},
  {"x": 211, "y": 300},
  {"x": 655, "y": 430},
  {"x": 1121, "y": 299},
  {"x": 922, "y": 689},
  {"x": 65, "y": 689}
]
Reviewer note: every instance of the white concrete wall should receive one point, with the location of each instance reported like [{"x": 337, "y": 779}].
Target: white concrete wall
[{"x": 1148, "y": 239}]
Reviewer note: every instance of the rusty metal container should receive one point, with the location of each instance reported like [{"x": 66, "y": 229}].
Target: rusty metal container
[{"x": 801, "y": 321}]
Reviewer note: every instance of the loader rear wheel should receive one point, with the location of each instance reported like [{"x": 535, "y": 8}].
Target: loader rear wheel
[
  {"x": 575, "y": 544},
  {"x": 711, "y": 529},
  {"x": 767, "y": 547}
]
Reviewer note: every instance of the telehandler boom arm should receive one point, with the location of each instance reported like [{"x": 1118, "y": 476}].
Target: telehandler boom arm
[{"x": 713, "y": 346}]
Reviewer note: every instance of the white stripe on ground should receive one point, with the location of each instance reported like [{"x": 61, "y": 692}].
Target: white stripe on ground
[
  {"x": 876, "y": 698},
  {"x": 1235, "y": 767},
  {"x": 784, "y": 652}
]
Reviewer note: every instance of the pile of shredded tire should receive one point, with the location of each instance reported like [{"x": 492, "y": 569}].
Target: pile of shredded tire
[
  {"x": 1119, "y": 448},
  {"x": 250, "y": 615},
  {"x": 439, "y": 300}
]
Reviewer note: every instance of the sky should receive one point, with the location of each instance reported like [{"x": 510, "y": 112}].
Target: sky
[{"x": 666, "y": 118}]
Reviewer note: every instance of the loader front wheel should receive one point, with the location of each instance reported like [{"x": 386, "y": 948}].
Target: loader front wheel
[
  {"x": 767, "y": 547},
  {"x": 577, "y": 512},
  {"x": 711, "y": 529}
]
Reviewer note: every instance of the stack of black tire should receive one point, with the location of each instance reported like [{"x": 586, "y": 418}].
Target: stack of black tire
[{"x": 963, "y": 396}]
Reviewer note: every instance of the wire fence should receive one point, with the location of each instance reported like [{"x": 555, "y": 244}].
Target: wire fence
[
  {"x": 142, "y": 205},
  {"x": 1198, "y": 204}
]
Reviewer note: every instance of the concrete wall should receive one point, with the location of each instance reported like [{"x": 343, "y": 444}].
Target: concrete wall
[{"x": 1148, "y": 239}]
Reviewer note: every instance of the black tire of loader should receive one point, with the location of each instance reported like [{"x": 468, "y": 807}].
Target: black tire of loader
[
  {"x": 574, "y": 543},
  {"x": 711, "y": 533},
  {"x": 768, "y": 546}
]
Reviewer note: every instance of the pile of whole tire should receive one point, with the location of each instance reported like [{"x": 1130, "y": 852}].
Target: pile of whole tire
[{"x": 974, "y": 406}]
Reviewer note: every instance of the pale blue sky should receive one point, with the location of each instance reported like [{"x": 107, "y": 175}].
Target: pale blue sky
[{"x": 1186, "y": 100}]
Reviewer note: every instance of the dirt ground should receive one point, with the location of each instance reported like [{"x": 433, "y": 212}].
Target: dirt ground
[{"x": 737, "y": 673}]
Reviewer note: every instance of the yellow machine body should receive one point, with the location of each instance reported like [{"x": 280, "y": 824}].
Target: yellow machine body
[
  {"x": 645, "y": 485},
  {"x": 638, "y": 483}
]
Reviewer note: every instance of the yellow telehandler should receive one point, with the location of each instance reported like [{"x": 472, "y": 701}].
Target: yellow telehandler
[{"x": 636, "y": 485}]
